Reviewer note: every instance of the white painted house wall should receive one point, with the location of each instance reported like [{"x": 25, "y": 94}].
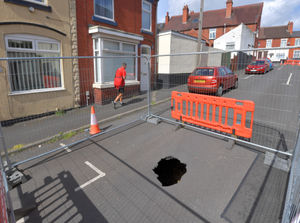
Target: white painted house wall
[
  {"x": 182, "y": 44},
  {"x": 241, "y": 36},
  {"x": 164, "y": 47},
  {"x": 171, "y": 42}
]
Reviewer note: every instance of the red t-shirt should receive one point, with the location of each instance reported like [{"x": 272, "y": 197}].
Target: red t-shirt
[{"x": 120, "y": 76}]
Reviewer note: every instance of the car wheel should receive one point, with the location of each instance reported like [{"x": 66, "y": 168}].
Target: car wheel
[
  {"x": 236, "y": 84},
  {"x": 220, "y": 91}
]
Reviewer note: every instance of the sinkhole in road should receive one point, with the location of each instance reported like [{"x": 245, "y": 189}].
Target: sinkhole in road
[{"x": 169, "y": 171}]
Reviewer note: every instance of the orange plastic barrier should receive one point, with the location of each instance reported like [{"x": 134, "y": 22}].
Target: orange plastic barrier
[
  {"x": 292, "y": 62},
  {"x": 222, "y": 114}
]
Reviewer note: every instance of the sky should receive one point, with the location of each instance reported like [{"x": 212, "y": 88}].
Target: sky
[{"x": 275, "y": 12}]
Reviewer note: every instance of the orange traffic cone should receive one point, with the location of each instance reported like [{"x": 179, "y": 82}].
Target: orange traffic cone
[{"x": 94, "y": 129}]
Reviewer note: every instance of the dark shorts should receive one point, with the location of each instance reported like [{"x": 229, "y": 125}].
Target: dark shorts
[{"x": 121, "y": 90}]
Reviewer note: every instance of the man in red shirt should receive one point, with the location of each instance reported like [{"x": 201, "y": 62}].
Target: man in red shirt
[{"x": 119, "y": 83}]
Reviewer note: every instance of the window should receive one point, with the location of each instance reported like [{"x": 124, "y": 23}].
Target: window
[
  {"x": 283, "y": 43},
  {"x": 104, "y": 9},
  {"x": 228, "y": 70},
  {"x": 203, "y": 72},
  {"x": 146, "y": 15},
  {"x": 297, "y": 42},
  {"x": 44, "y": 2},
  {"x": 280, "y": 55},
  {"x": 269, "y": 43},
  {"x": 222, "y": 72},
  {"x": 230, "y": 46},
  {"x": 105, "y": 68},
  {"x": 297, "y": 54},
  {"x": 26, "y": 75},
  {"x": 212, "y": 33}
]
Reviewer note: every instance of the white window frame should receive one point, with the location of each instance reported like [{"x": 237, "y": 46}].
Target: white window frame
[
  {"x": 45, "y": 2},
  {"x": 297, "y": 40},
  {"x": 150, "y": 12},
  {"x": 269, "y": 43},
  {"x": 212, "y": 33},
  {"x": 230, "y": 44},
  {"x": 103, "y": 17},
  {"x": 34, "y": 40},
  {"x": 298, "y": 51},
  {"x": 283, "y": 40},
  {"x": 99, "y": 79}
]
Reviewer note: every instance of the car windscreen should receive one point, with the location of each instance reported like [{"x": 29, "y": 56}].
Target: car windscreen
[
  {"x": 203, "y": 72},
  {"x": 258, "y": 62}
]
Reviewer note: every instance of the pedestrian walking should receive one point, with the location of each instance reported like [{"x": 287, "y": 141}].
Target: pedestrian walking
[{"x": 119, "y": 83}]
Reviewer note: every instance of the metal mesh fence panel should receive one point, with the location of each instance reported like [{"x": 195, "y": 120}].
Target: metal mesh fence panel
[
  {"x": 48, "y": 103},
  {"x": 242, "y": 75},
  {"x": 262, "y": 76}
]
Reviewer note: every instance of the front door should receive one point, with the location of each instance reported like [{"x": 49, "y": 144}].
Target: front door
[{"x": 145, "y": 51}]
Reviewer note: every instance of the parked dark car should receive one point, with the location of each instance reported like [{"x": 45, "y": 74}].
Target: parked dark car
[
  {"x": 258, "y": 67},
  {"x": 213, "y": 80}
]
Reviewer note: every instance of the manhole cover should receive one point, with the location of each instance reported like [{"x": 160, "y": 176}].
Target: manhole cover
[{"x": 169, "y": 171}]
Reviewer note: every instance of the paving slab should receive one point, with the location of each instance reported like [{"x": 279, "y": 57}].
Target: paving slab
[{"x": 212, "y": 190}]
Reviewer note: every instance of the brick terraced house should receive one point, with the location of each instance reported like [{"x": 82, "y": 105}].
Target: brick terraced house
[
  {"x": 279, "y": 36},
  {"x": 215, "y": 22},
  {"x": 114, "y": 28}
]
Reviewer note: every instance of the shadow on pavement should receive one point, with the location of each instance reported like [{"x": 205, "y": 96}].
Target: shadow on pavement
[{"x": 56, "y": 201}]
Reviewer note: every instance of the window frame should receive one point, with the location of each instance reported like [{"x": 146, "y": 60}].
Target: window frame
[
  {"x": 211, "y": 31},
  {"x": 283, "y": 40},
  {"x": 150, "y": 12},
  {"x": 103, "y": 17},
  {"x": 297, "y": 40},
  {"x": 298, "y": 51},
  {"x": 34, "y": 39},
  {"x": 270, "y": 43},
  {"x": 45, "y": 2},
  {"x": 230, "y": 44},
  {"x": 98, "y": 75}
]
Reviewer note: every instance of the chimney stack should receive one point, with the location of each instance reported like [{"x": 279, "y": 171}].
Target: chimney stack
[
  {"x": 228, "y": 8},
  {"x": 290, "y": 27},
  {"x": 185, "y": 14},
  {"x": 167, "y": 18}
]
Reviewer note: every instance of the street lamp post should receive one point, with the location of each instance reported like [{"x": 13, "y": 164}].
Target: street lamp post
[{"x": 199, "y": 46}]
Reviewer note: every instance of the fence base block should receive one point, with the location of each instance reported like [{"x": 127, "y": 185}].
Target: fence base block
[
  {"x": 272, "y": 160},
  {"x": 153, "y": 120},
  {"x": 15, "y": 177}
]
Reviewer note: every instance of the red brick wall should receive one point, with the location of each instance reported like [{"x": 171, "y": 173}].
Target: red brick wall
[
  {"x": 262, "y": 43},
  {"x": 106, "y": 95},
  {"x": 127, "y": 15}
]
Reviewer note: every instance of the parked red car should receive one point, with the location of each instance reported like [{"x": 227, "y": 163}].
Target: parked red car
[
  {"x": 258, "y": 66},
  {"x": 212, "y": 80}
]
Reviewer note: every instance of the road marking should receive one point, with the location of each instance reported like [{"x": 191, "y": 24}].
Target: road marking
[
  {"x": 288, "y": 81},
  {"x": 248, "y": 77},
  {"x": 101, "y": 174},
  {"x": 21, "y": 220},
  {"x": 67, "y": 148},
  {"x": 280, "y": 68}
]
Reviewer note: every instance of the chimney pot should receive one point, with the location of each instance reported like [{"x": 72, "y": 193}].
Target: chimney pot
[
  {"x": 167, "y": 18},
  {"x": 290, "y": 27},
  {"x": 185, "y": 14},
  {"x": 229, "y": 4}
]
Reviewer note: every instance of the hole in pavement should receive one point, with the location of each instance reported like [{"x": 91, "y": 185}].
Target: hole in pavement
[{"x": 169, "y": 171}]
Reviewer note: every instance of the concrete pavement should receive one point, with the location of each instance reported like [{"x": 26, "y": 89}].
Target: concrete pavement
[{"x": 220, "y": 185}]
